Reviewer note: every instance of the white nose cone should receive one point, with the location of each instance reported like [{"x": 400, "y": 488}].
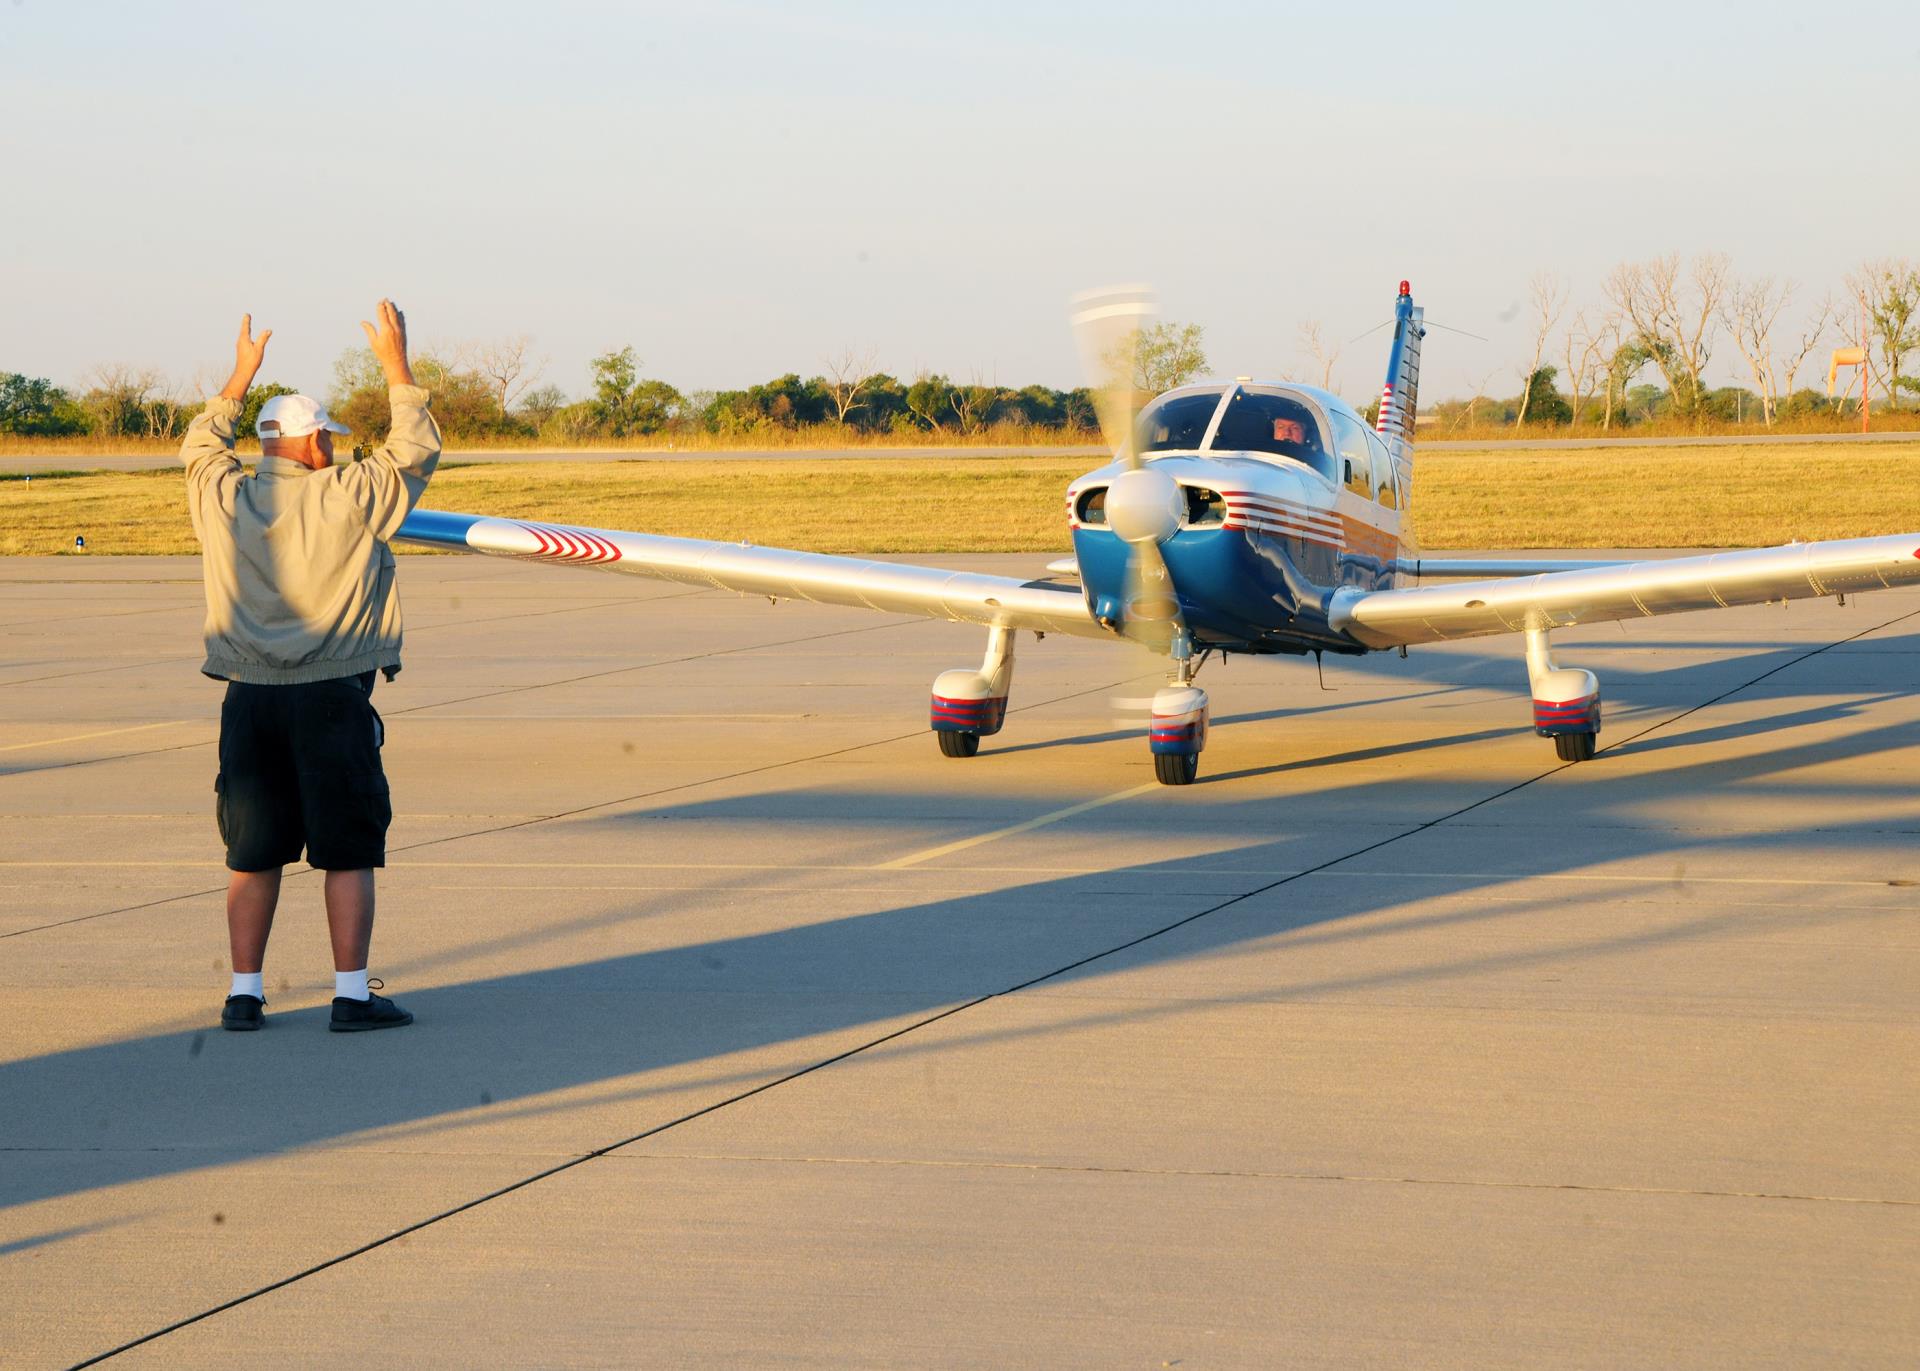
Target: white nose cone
[{"x": 1145, "y": 505}]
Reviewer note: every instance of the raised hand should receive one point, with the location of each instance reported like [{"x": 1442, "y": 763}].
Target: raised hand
[
  {"x": 247, "y": 353},
  {"x": 389, "y": 343}
]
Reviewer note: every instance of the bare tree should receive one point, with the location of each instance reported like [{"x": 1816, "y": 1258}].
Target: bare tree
[
  {"x": 850, "y": 376},
  {"x": 1547, "y": 300},
  {"x": 1672, "y": 313},
  {"x": 169, "y": 407},
  {"x": 505, "y": 365},
  {"x": 972, "y": 404},
  {"x": 1479, "y": 394},
  {"x": 117, "y": 398},
  {"x": 1750, "y": 309},
  {"x": 1889, "y": 290},
  {"x": 1823, "y": 318},
  {"x": 1588, "y": 350},
  {"x": 1313, "y": 345}
]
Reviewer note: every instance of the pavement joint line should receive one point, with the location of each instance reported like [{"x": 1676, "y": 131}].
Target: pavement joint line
[
  {"x": 103, "y": 614},
  {"x": 927, "y": 1021},
  {"x": 423, "y": 628},
  {"x": 664, "y": 661},
  {"x": 1597, "y": 876},
  {"x": 1011, "y": 830},
  {"x": 548, "y": 818},
  {"x": 966, "y": 1164},
  {"x": 441, "y": 704},
  {"x": 92, "y": 671},
  {"x": 99, "y": 733}
]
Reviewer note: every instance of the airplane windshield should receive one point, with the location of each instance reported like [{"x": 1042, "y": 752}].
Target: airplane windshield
[
  {"x": 1267, "y": 421},
  {"x": 1177, "y": 423}
]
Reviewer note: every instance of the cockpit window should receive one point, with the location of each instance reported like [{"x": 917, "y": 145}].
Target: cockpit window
[
  {"x": 1264, "y": 421},
  {"x": 1177, "y": 423}
]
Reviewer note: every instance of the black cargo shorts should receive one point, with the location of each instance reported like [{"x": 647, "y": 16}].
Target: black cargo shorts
[{"x": 300, "y": 768}]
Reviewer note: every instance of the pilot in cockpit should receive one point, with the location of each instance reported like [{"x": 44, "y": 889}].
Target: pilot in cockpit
[{"x": 1290, "y": 439}]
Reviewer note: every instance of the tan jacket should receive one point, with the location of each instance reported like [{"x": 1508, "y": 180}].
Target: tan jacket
[{"x": 298, "y": 574}]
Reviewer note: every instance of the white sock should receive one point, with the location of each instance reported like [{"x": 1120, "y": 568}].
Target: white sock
[
  {"x": 249, "y": 983},
  {"x": 350, "y": 985}
]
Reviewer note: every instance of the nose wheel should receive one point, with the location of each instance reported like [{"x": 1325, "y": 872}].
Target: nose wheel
[
  {"x": 1179, "y": 733},
  {"x": 1176, "y": 768}
]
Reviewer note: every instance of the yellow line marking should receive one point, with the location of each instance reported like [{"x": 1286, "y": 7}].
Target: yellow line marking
[
  {"x": 1010, "y": 831},
  {"x": 103, "y": 733}
]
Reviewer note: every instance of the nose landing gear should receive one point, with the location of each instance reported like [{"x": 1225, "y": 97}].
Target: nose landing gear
[
  {"x": 1180, "y": 714},
  {"x": 1566, "y": 701}
]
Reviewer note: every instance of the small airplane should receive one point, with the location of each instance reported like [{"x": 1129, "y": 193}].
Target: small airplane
[{"x": 1234, "y": 517}]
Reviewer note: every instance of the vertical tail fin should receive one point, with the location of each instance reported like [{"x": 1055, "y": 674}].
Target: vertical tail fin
[{"x": 1400, "y": 397}]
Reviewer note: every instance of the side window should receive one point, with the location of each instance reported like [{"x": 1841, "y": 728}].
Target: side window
[
  {"x": 1385, "y": 476},
  {"x": 1353, "y": 454}
]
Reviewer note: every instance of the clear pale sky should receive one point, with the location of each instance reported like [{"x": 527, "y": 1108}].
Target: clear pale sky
[{"x": 738, "y": 189}]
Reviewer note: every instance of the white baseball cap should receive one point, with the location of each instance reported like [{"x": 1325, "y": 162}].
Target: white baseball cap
[{"x": 294, "y": 416}]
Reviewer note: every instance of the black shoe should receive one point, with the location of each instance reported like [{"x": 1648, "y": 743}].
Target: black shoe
[
  {"x": 363, "y": 1016},
  {"x": 243, "y": 1014}
]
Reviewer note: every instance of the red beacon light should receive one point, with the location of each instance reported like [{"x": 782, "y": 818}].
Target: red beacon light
[{"x": 1405, "y": 289}]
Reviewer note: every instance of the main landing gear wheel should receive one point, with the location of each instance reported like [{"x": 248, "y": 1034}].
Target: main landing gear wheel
[
  {"x": 1176, "y": 768},
  {"x": 958, "y": 744},
  {"x": 1574, "y": 747}
]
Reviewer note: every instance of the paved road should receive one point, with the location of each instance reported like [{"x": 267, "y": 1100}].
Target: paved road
[
  {"x": 752, "y": 1032},
  {"x": 158, "y": 461}
]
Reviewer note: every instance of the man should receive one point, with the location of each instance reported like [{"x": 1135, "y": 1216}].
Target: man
[{"x": 301, "y": 612}]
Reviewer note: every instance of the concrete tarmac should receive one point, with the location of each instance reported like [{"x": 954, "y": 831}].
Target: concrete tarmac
[{"x": 753, "y": 1032}]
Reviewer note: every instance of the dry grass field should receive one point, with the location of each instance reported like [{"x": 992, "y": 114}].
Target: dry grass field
[{"x": 1608, "y": 497}]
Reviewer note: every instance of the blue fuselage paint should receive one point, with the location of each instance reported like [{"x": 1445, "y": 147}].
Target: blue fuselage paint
[{"x": 1253, "y": 583}]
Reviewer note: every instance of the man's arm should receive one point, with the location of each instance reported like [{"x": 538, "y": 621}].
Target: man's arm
[
  {"x": 207, "y": 450},
  {"x": 390, "y": 482}
]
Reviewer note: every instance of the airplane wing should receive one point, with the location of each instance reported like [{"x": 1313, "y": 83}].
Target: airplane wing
[
  {"x": 1042, "y": 606},
  {"x": 1799, "y": 571}
]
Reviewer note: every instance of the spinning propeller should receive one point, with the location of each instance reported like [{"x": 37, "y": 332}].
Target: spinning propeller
[{"x": 1144, "y": 505}]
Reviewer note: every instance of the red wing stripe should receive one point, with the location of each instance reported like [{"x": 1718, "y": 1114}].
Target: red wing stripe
[{"x": 570, "y": 544}]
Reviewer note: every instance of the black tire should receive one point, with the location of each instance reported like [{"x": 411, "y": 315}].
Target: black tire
[
  {"x": 958, "y": 744},
  {"x": 1176, "y": 768},
  {"x": 1575, "y": 747}
]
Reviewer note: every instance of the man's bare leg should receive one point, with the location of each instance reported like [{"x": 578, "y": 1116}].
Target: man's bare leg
[
  {"x": 251, "y": 899},
  {"x": 350, "y": 921},
  {"x": 350, "y": 917}
]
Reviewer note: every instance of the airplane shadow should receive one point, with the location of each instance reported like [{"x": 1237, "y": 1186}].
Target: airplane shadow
[{"x": 698, "y": 1020}]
